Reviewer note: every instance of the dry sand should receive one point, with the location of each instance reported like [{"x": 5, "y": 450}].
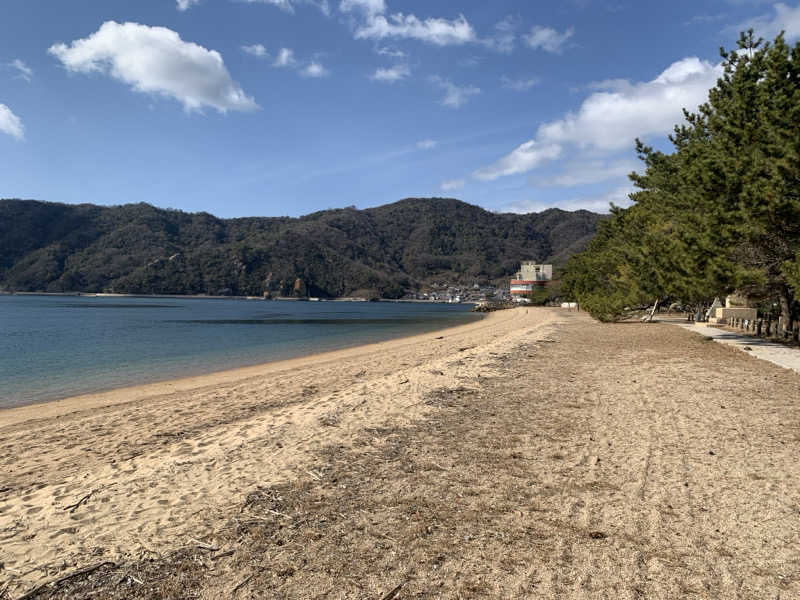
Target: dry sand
[{"x": 536, "y": 454}]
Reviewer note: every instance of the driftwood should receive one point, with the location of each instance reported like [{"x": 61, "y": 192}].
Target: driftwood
[
  {"x": 203, "y": 545},
  {"x": 241, "y": 584},
  {"x": 649, "y": 318},
  {"x": 85, "y": 571},
  {"x": 394, "y": 592},
  {"x": 73, "y": 507},
  {"x": 128, "y": 576}
]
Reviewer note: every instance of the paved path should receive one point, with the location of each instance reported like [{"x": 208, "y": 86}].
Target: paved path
[{"x": 784, "y": 356}]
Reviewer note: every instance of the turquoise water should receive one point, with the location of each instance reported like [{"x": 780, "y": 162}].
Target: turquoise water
[{"x": 59, "y": 346}]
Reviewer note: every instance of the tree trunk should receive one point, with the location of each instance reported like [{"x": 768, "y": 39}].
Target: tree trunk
[
  {"x": 786, "y": 310},
  {"x": 649, "y": 318}
]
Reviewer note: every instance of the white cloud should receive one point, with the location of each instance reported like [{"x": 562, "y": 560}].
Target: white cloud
[
  {"x": 525, "y": 157},
  {"x": 391, "y": 74},
  {"x": 155, "y": 60},
  {"x": 285, "y": 58},
  {"x": 519, "y": 85},
  {"x": 504, "y": 36},
  {"x": 369, "y": 7},
  {"x": 256, "y": 50},
  {"x": 391, "y": 52},
  {"x": 609, "y": 121},
  {"x": 373, "y": 23},
  {"x": 589, "y": 172},
  {"x": 785, "y": 18},
  {"x": 11, "y": 123},
  {"x": 440, "y": 32},
  {"x": 284, "y": 5},
  {"x": 314, "y": 69},
  {"x": 548, "y": 39},
  {"x": 455, "y": 96},
  {"x": 186, "y": 4},
  {"x": 288, "y": 5},
  {"x": 452, "y": 184},
  {"x": 323, "y": 6},
  {"x": 595, "y": 203},
  {"x": 23, "y": 70},
  {"x": 427, "y": 144}
]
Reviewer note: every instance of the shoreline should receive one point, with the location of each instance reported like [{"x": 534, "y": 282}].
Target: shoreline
[
  {"x": 199, "y": 371},
  {"x": 50, "y": 408},
  {"x": 212, "y": 297}
]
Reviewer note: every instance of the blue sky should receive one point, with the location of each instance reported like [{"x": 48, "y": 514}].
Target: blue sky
[{"x": 284, "y": 107}]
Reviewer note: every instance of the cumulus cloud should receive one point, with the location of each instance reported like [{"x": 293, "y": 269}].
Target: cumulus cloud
[
  {"x": 155, "y": 60},
  {"x": 452, "y": 184},
  {"x": 523, "y": 158},
  {"x": 391, "y": 74},
  {"x": 608, "y": 121},
  {"x": 455, "y": 96},
  {"x": 256, "y": 50},
  {"x": 285, "y": 58},
  {"x": 440, "y": 32},
  {"x": 23, "y": 70},
  {"x": 519, "y": 85},
  {"x": 784, "y": 18},
  {"x": 314, "y": 69},
  {"x": 427, "y": 144},
  {"x": 372, "y": 20},
  {"x": 10, "y": 123},
  {"x": 186, "y": 4},
  {"x": 548, "y": 39}
]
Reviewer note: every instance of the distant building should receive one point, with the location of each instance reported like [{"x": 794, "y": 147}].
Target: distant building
[{"x": 530, "y": 277}]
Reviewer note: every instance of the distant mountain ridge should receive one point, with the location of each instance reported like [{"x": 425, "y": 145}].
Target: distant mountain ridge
[{"x": 387, "y": 250}]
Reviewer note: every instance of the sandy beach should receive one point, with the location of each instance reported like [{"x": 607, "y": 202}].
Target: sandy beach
[
  {"x": 157, "y": 456},
  {"x": 535, "y": 453}
]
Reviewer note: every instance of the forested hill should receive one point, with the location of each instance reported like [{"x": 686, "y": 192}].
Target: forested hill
[{"x": 387, "y": 250}]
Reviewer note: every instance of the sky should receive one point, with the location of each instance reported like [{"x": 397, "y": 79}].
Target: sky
[{"x": 286, "y": 107}]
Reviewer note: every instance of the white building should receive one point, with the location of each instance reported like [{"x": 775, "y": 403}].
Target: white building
[{"x": 530, "y": 277}]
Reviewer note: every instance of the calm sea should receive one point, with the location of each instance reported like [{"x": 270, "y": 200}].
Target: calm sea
[{"x": 59, "y": 346}]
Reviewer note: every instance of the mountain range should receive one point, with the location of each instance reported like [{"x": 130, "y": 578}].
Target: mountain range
[{"x": 385, "y": 251}]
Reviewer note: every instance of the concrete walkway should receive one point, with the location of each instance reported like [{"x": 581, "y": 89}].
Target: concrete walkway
[{"x": 784, "y": 356}]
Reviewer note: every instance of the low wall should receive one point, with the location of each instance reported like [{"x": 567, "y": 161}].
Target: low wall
[{"x": 725, "y": 315}]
